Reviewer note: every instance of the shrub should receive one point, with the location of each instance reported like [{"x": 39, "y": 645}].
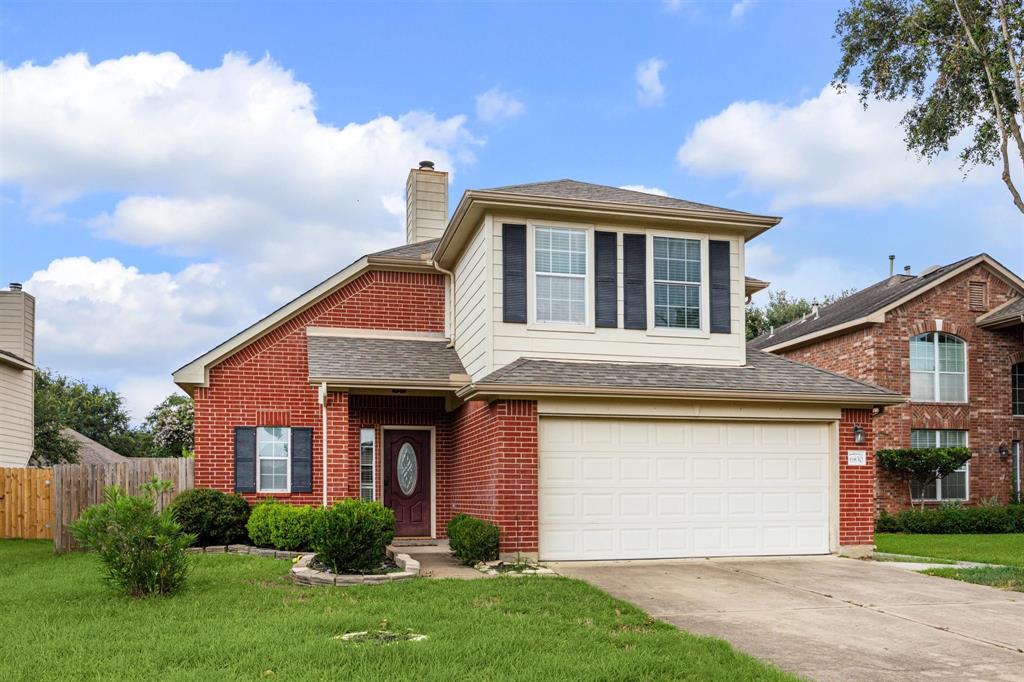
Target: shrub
[
  {"x": 142, "y": 550},
  {"x": 954, "y": 518},
  {"x": 473, "y": 540},
  {"x": 352, "y": 535},
  {"x": 922, "y": 464},
  {"x": 212, "y": 516},
  {"x": 282, "y": 526}
]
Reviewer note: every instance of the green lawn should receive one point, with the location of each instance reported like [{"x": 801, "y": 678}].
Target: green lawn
[
  {"x": 1006, "y": 548},
  {"x": 1003, "y": 577},
  {"x": 240, "y": 618}
]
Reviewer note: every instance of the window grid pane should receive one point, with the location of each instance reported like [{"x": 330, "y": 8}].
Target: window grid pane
[
  {"x": 938, "y": 368},
  {"x": 273, "y": 444},
  {"x": 952, "y": 487},
  {"x": 677, "y": 276},
  {"x": 1017, "y": 388},
  {"x": 560, "y": 263},
  {"x": 367, "y": 438}
]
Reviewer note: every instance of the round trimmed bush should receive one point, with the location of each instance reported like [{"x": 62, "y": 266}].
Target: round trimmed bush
[
  {"x": 291, "y": 528},
  {"x": 262, "y": 521},
  {"x": 472, "y": 540},
  {"x": 352, "y": 536},
  {"x": 215, "y": 518}
]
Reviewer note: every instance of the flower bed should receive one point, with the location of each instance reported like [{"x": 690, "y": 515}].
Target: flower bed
[
  {"x": 303, "y": 572},
  {"x": 247, "y": 549}
]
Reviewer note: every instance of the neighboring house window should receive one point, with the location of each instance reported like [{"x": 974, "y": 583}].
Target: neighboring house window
[
  {"x": 560, "y": 265},
  {"x": 952, "y": 487},
  {"x": 367, "y": 464},
  {"x": 273, "y": 464},
  {"x": 677, "y": 283},
  {"x": 938, "y": 368},
  {"x": 1017, "y": 389}
]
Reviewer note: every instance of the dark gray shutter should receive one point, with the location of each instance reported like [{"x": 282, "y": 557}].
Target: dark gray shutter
[
  {"x": 302, "y": 460},
  {"x": 513, "y": 273},
  {"x": 719, "y": 277},
  {"x": 245, "y": 459},
  {"x": 606, "y": 308},
  {"x": 634, "y": 281}
]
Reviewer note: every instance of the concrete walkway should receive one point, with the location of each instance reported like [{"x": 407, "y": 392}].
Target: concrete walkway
[
  {"x": 827, "y": 618},
  {"x": 436, "y": 561}
]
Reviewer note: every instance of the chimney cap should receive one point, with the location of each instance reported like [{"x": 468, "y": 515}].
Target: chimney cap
[
  {"x": 426, "y": 165},
  {"x": 15, "y": 286}
]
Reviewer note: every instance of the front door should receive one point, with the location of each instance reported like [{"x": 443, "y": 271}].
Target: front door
[{"x": 407, "y": 480}]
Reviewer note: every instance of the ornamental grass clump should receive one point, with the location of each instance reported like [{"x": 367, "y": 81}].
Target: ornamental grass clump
[
  {"x": 352, "y": 536},
  {"x": 142, "y": 550}
]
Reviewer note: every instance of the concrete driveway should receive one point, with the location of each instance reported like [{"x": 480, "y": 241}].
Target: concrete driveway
[{"x": 828, "y": 618}]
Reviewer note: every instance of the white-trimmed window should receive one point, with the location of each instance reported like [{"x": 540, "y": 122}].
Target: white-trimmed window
[
  {"x": 367, "y": 464},
  {"x": 1017, "y": 389},
  {"x": 677, "y": 283},
  {"x": 560, "y": 270},
  {"x": 938, "y": 368},
  {"x": 952, "y": 487},
  {"x": 273, "y": 461}
]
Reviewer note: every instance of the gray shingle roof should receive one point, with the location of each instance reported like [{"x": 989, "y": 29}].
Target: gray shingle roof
[
  {"x": 413, "y": 252},
  {"x": 1010, "y": 312},
  {"x": 585, "y": 191},
  {"x": 381, "y": 359},
  {"x": 91, "y": 452},
  {"x": 763, "y": 373},
  {"x": 855, "y": 306}
]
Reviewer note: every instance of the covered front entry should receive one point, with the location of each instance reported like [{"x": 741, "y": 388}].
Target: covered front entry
[
  {"x": 407, "y": 480},
  {"x": 619, "y": 488}
]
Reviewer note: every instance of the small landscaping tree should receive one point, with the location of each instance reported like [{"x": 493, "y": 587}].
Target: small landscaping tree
[{"x": 925, "y": 465}]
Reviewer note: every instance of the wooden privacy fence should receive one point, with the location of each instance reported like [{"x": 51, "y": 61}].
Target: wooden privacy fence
[
  {"x": 26, "y": 503},
  {"x": 77, "y": 486}
]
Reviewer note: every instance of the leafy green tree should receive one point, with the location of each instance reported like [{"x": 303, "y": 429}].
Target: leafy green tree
[
  {"x": 93, "y": 411},
  {"x": 51, "y": 446},
  {"x": 169, "y": 426},
  {"x": 960, "y": 62},
  {"x": 780, "y": 309},
  {"x": 924, "y": 465}
]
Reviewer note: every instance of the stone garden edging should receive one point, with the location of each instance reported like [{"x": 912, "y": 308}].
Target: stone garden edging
[
  {"x": 302, "y": 574},
  {"x": 246, "y": 549}
]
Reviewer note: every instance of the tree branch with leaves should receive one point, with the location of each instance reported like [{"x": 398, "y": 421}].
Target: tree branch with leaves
[{"x": 959, "y": 62}]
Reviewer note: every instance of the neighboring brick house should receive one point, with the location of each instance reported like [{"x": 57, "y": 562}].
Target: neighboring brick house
[
  {"x": 952, "y": 340},
  {"x": 564, "y": 359}
]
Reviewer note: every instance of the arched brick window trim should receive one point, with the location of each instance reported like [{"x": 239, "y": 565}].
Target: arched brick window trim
[{"x": 925, "y": 326}]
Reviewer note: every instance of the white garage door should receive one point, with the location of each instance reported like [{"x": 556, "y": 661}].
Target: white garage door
[{"x": 636, "y": 489}]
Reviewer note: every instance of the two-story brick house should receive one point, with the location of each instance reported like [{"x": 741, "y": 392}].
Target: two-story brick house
[
  {"x": 951, "y": 339},
  {"x": 564, "y": 359}
]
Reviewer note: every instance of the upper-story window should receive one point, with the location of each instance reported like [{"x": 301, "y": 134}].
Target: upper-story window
[
  {"x": 677, "y": 282},
  {"x": 1017, "y": 389},
  {"x": 560, "y": 267},
  {"x": 938, "y": 368}
]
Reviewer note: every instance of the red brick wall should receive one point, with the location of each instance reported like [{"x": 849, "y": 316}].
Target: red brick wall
[
  {"x": 266, "y": 383},
  {"x": 856, "y": 483},
  {"x": 881, "y": 355}
]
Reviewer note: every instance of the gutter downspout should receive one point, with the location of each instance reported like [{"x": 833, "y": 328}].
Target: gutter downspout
[
  {"x": 322, "y": 397},
  {"x": 451, "y": 278}
]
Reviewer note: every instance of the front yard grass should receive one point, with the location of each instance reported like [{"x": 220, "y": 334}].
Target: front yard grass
[
  {"x": 1003, "y": 577},
  {"x": 1002, "y": 548},
  {"x": 241, "y": 618}
]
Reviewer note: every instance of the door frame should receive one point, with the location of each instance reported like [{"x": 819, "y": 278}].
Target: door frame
[{"x": 433, "y": 466}]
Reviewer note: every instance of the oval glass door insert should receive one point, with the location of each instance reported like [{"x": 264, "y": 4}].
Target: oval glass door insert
[{"x": 408, "y": 469}]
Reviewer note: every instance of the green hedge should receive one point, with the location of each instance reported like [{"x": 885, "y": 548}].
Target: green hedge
[
  {"x": 215, "y": 518},
  {"x": 352, "y": 536},
  {"x": 954, "y": 518},
  {"x": 473, "y": 540},
  {"x": 282, "y": 526}
]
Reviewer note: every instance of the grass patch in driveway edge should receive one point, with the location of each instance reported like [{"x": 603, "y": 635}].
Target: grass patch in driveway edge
[
  {"x": 1003, "y": 577},
  {"x": 995, "y": 548}
]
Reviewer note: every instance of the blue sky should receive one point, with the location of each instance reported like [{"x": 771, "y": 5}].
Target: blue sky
[{"x": 171, "y": 172}]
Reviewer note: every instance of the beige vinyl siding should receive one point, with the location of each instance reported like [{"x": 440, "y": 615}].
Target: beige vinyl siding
[
  {"x": 17, "y": 324},
  {"x": 16, "y": 417},
  {"x": 512, "y": 341},
  {"x": 472, "y": 309},
  {"x": 426, "y": 205}
]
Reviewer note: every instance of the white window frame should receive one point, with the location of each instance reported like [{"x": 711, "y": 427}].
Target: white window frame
[
  {"x": 936, "y": 373},
  {"x": 287, "y": 460},
  {"x": 373, "y": 461},
  {"x": 966, "y": 469},
  {"x": 705, "y": 288},
  {"x": 588, "y": 279},
  {"x": 1013, "y": 388}
]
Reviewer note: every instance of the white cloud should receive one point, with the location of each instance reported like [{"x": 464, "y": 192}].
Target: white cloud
[
  {"x": 827, "y": 150},
  {"x": 229, "y": 166},
  {"x": 497, "y": 105},
  {"x": 647, "y": 190},
  {"x": 812, "y": 278},
  {"x": 649, "y": 89},
  {"x": 739, "y": 9}
]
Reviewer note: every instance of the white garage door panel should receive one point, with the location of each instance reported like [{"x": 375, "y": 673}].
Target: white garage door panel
[{"x": 634, "y": 489}]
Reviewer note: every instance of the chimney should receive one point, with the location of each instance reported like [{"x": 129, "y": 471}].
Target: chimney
[
  {"x": 426, "y": 203},
  {"x": 892, "y": 264},
  {"x": 17, "y": 322}
]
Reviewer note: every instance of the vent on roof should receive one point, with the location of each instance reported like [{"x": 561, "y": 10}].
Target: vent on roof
[
  {"x": 976, "y": 298},
  {"x": 929, "y": 270}
]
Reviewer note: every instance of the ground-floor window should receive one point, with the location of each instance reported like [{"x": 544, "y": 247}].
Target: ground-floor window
[
  {"x": 367, "y": 463},
  {"x": 953, "y": 486},
  {"x": 273, "y": 470}
]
